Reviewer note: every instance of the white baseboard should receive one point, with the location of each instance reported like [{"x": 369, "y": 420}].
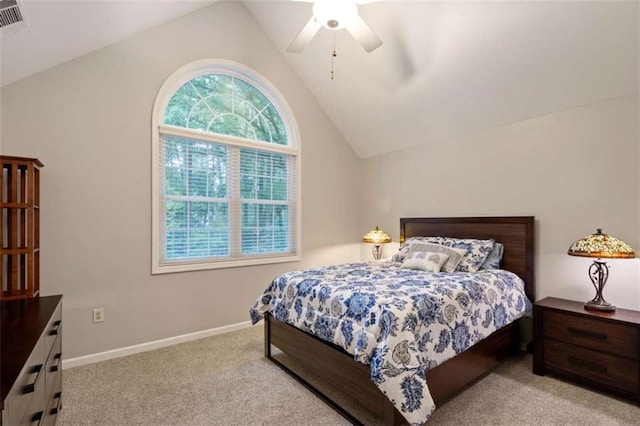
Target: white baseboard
[{"x": 149, "y": 346}]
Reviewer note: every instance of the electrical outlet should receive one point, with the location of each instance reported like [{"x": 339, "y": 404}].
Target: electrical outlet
[{"x": 98, "y": 315}]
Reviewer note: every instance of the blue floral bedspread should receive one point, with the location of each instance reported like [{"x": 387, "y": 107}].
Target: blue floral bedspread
[{"x": 401, "y": 322}]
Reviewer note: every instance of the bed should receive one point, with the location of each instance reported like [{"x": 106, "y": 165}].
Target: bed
[{"x": 337, "y": 367}]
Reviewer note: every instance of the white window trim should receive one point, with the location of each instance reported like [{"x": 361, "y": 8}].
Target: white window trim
[{"x": 167, "y": 90}]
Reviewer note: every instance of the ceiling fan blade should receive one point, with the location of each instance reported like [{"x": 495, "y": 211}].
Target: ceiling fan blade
[
  {"x": 363, "y": 34},
  {"x": 306, "y": 35}
]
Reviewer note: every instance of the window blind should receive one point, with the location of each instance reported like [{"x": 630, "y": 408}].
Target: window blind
[{"x": 222, "y": 201}]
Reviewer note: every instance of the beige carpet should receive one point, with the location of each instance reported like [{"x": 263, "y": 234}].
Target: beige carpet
[{"x": 224, "y": 380}]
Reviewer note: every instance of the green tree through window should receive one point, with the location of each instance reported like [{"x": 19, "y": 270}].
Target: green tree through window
[{"x": 226, "y": 105}]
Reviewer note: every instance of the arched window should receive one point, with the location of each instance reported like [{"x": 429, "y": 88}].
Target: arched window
[{"x": 225, "y": 170}]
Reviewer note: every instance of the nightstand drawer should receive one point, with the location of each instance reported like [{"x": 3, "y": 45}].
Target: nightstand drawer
[
  {"x": 614, "y": 338},
  {"x": 592, "y": 366}
]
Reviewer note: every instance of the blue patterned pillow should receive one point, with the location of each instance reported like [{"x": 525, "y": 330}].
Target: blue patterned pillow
[
  {"x": 425, "y": 261},
  {"x": 494, "y": 259},
  {"x": 477, "y": 252},
  {"x": 406, "y": 246}
]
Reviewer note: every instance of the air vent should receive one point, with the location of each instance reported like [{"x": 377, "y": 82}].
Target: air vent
[{"x": 11, "y": 16}]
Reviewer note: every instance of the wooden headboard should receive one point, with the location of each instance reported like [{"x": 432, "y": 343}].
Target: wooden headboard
[{"x": 515, "y": 232}]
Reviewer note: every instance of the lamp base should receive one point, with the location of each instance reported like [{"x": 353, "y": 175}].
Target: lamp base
[
  {"x": 377, "y": 252},
  {"x": 603, "y": 306},
  {"x": 599, "y": 272}
]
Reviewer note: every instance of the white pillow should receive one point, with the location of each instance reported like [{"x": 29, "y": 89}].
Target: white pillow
[
  {"x": 454, "y": 255},
  {"x": 425, "y": 261}
]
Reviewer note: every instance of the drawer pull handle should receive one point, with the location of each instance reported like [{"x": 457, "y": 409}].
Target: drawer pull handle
[
  {"x": 588, "y": 364},
  {"x": 55, "y": 409},
  {"x": 37, "y": 417},
  {"x": 30, "y": 387},
  {"x": 587, "y": 334},
  {"x": 56, "y": 326},
  {"x": 54, "y": 367}
]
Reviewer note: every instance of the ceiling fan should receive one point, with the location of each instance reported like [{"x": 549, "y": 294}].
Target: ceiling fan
[{"x": 336, "y": 15}]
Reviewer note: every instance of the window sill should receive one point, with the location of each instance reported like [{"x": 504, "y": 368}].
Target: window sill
[{"x": 187, "y": 267}]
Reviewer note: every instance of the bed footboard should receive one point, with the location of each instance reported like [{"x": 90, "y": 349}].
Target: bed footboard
[
  {"x": 337, "y": 368},
  {"x": 333, "y": 365}
]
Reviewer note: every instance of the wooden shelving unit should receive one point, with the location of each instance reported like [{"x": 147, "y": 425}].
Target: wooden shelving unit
[{"x": 20, "y": 231}]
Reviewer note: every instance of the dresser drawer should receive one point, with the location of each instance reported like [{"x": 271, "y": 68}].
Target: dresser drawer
[
  {"x": 592, "y": 365},
  {"x": 54, "y": 367},
  {"x": 615, "y": 338},
  {"x": 28, "y": 388},
  {"x": 53, "y": 406},
  {"x": 53, "y": 328},
  {"x": 35, "y": 414}
]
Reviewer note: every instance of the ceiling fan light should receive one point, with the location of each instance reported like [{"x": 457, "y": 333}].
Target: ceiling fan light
[{"x": 334, "y": 14}]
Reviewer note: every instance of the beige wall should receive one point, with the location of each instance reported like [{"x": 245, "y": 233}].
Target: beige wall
[
  {"x": 89, "y": 122},
  {"x": 574, "y": 171}
]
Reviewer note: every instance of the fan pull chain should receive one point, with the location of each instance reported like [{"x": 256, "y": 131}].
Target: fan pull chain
[{"x": 333, "y": 54}]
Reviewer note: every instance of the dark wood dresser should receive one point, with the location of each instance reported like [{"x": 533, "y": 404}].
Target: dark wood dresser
[
  {"x": 597, "y": 349},
  {"x": 31, "y": 351}
]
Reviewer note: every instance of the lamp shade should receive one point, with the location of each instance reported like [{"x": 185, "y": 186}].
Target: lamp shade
[
  {"x": 601, "y": 246},
  {"x": 376, "y": 236}
]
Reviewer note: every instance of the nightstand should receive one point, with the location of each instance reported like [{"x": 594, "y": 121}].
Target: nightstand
[{"x": 597, "y": 349}]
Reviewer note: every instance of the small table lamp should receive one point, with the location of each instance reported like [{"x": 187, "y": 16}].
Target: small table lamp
[
  {"x": 600, "y": 246},
  {"x": 377, "y": 237}
]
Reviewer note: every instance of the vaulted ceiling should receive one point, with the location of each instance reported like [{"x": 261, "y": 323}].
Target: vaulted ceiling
[
  {"x": 448, "y": 68},
  {"x": 444, "y": 69}
]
